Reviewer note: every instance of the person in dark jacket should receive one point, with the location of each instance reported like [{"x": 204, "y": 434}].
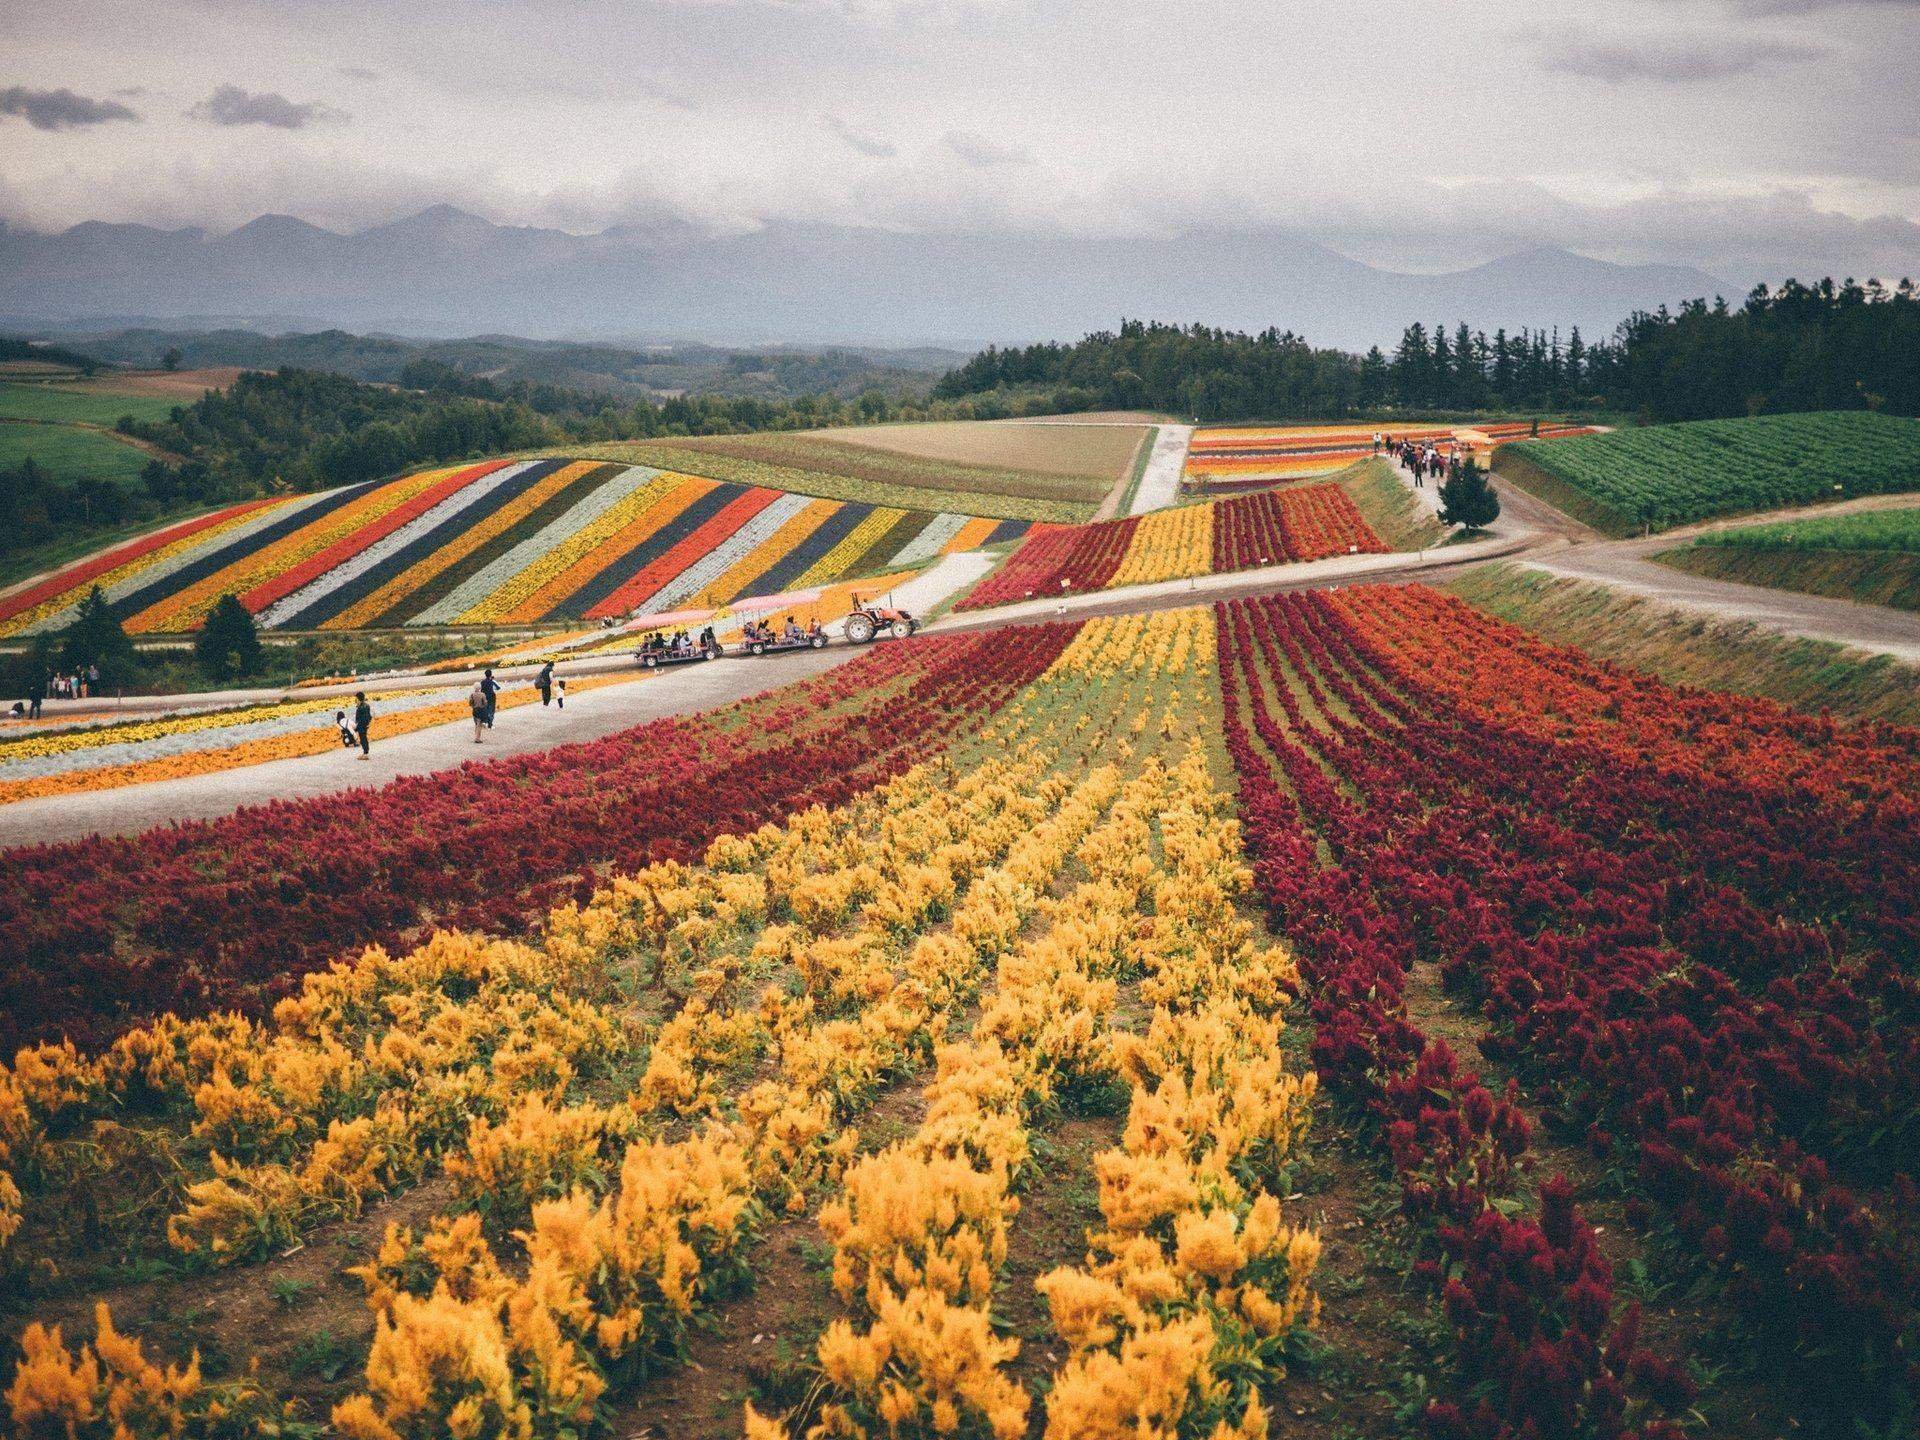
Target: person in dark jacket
[
  {"x": 490, "y": 687},
  {"x": 543, "y": 682},
  {"x": 36, "y": 692},
  {"x": 363, "y": 723}
]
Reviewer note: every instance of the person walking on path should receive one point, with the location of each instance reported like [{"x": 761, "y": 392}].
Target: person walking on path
[
  {"x": 490, "y": 687},
  {"x": 477, "y": 703},
  {"x": 543, "y": 682},
  {"x": 563, "y": 692},
  {"x": 36, "y": 692},
  {"x": 363, "y": 723}
]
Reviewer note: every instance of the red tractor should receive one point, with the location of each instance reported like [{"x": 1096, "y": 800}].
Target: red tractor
[{"x": 867, "y": 621}]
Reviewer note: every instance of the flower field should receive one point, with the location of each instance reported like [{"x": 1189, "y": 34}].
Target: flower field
[
  {"x": 520, "y": 542},
  {"x": 901, "y": 1054},
  {"x": 1224, "y": 456},
  {"x": 1214, "y": 537},
  {"x": 1038, "y": 917},
  {"x": 1685, "y": 922},
  {"x": 1659, "y": 476},
  {"x": 104, "y": 757}
]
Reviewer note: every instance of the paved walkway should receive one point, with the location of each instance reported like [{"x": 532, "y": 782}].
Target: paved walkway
[
  {"x": 588, "y": 716},
  {"x": 1622, "y": 564},
  {"x": 1160, "y": 481}
]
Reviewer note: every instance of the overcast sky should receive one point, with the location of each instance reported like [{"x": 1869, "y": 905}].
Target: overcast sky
[{"x": 1749, "y": 137}]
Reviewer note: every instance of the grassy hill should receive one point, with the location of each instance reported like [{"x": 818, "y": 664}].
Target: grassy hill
[
  {"x": 1667, "y": 475},
  {"x": 1872, "y": 558}
]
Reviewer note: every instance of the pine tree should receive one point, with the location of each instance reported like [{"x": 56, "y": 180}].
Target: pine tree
[
  {"x": 96, "y": 638},
  {"x": 228, "y": 644},
  {"x": 1467, "y": 499}
]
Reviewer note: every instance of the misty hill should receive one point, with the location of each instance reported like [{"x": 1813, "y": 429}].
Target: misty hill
[
  {"x": 616, "y": 371},
  {"x": 445, "y": 272}
]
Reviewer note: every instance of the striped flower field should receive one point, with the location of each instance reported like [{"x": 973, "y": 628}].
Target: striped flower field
[
  {"x": 1225, "y": 456},
  {"x": 506, "y": 542}
]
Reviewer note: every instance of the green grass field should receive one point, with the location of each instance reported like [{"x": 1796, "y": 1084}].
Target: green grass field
[
  {"x": 68, "y": 452},
  {"x": 1871, "y": 558},
  {"x": 1869, "y": 530},
  {"x": 1388, "y": 506},
  {"x": 1667, "y": 475},
  {"x": 1684, "y": 648},
  {"x": 79, "y": 403}
]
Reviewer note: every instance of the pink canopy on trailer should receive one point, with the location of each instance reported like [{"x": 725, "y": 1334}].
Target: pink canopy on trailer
[
  {"x": 670, "y": 617},
  {"x": 756, "y": 603}
]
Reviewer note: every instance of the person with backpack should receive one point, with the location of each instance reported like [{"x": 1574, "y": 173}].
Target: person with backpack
[
  {"x": 363, "y": 723},
  {"x": 346, "y": 729},
  {"x": 543, "y": 682},
  {"x": 490, "y": 687}
]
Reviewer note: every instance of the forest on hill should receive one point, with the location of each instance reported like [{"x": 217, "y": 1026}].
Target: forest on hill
[{"x": 1827, "y": 346}]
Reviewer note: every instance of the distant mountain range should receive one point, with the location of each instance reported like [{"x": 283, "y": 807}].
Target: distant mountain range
[{"x": 445, "y": 272}]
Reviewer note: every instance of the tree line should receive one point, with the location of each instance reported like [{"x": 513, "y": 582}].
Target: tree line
[{"x": 1830, "y": 345}]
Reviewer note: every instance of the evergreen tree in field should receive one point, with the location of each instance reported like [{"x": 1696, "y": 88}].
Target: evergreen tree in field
[
  {"x": 228, "y": 644},
  {"x": 1467, "y": 499},
  {"x": 95, "y": 638}
]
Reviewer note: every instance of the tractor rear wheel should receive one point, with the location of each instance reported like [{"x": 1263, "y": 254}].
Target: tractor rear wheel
[{"x": 859, "y": 628}]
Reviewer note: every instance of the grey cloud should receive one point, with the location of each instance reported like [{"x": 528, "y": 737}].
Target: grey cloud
[
  {"x": 358, "y": 72},
  {"x": 1674, "y": 61},
  {"x": 230, "y": 105},
  {"x": 60, "y": 109},
  {"x": 872, "y": 146},
  {"x": 983, "y": 153},
  {"x": 1808, "y": 7}
]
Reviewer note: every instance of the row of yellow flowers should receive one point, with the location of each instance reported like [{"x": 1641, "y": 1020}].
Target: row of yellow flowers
[
  {"x": 65, "y": 742},
  {"x": 1169, "y": 544}
]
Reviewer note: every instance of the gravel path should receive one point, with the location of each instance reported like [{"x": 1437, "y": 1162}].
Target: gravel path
[
  {"x": 1160, "y": 481},
  {"x": 588, "y": 716},
  {"x": 1623, "y": 565}
]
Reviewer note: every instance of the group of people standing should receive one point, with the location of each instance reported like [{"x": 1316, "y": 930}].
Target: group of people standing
[
  {"x": 42, "y": 687},
  {"x": 1421, "y": 457},
  {"x": 483, "y": 703}
]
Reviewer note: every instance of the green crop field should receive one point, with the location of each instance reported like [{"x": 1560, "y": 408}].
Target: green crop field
[
  {"x": 69, "y": 452},
  {"x": 1667, "y": 475},
  {"x": 1874, "y": 530},
  {"x": 1872, "y": 558},
  {"x": 79, "y": 403}
]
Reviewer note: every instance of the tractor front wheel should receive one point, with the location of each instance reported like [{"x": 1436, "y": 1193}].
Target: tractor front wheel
[{"x": 859, "y": 628}]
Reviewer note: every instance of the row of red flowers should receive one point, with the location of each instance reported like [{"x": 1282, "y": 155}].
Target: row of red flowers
[
  {"x": 1685, "y": 916},
  {"x": 1084, "y": 557},
  {"x": 1305, "y": 522},
  {"x": 230, "y": 913},
  {"x": 1532, "y": 1301}
]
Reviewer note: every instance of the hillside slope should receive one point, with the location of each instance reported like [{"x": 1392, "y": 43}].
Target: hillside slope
[{"x": 504, "y": 541}]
